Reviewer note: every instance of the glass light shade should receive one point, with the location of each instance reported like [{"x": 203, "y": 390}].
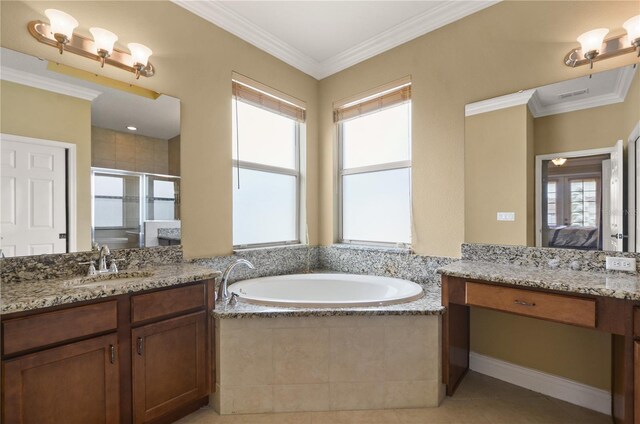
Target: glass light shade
[
  {"x": 592, "y": 40},
  {"x": 559, "y": 161},
  {"x": 61, "y": 23},
  {"x": 632, "y": 26},
  {"x": 103, "y": 39},
  {"x": 140, "y": 53}
]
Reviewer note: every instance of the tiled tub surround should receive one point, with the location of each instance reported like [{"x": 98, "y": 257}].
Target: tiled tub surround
[
  {"x": 327, "y": 363},
  {"x": 170, "y": 233}
]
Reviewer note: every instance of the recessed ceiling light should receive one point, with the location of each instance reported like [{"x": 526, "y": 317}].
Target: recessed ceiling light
[{"x": 132, "y": 128}]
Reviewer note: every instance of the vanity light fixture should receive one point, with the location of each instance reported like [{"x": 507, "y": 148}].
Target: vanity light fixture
[
  {"x": 59, "y": 33},
  {"x": 593, "y": 46},
  {"x": 559, "y": 161}
]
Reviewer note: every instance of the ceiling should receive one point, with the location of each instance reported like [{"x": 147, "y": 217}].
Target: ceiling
[
  {"x": 110, "y": 108},
  {"x": 321, "y": 38}
]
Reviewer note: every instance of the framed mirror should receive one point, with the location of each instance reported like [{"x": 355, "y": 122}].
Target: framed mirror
[
  {"x": 555, "y": 166},
  {"x": 84, "y": 160}
]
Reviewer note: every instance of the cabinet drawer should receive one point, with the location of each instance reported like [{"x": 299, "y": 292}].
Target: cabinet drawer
[
  {"x": 636, "y": 321},
  {"x": 553, "y": 307},
  {"x": 44, "y": 329},
  {"x": 167, "y": 302}
]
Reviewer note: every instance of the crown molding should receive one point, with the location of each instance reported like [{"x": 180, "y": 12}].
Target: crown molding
[
  {"x": 623, "y": 83},
  {"x": 48, "y": 84},
  {"x": 497, "y": 103},
  {"x": 218, "y": 14},
  {"x": 415, "y": 27}
]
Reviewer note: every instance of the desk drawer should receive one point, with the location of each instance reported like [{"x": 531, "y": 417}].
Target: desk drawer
[
  {"x": 168, "y": 302},
  {"x": 44, "y": 329},
  {"x": 552, "y": 307}
]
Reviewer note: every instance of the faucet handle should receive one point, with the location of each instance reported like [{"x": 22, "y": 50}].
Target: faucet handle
[
  {"x": 113, "y": 267},
  {"x": 92, "y": 267}
]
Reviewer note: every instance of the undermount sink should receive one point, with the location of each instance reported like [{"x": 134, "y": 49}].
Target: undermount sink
[{"x": 106, "y": 279}]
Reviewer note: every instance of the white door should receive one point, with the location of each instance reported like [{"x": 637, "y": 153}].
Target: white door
[
  {"x": 613, "y": 236},
  {"x": 33, "y": 195}
]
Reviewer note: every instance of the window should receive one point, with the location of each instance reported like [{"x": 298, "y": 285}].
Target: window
[
  {"x": 584, "y": 202},
  {"x": 375, "y": 168},
  {"x": 162, "y": 198},
  {"x": 108, "y": 201},
  {"x": 552, "y": 203},
  {"x": 266, "y": 168}
]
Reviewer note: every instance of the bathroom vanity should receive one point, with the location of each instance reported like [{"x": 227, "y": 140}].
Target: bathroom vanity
[
  {"x": 142, "y": 356},
  {"x": 600, "y": 301}
]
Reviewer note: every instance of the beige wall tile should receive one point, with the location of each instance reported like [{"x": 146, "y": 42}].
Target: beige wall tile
[
  {"x": 356, "y": 354},
  {"x": 144, "y": 166},
  {"x": 145, "y": 147},
  {"x": 300, "y": 355},
  {"x": 411, "y": 353},
  {"x": 248, "y": 399},
  {"x": 125, "y": 166},
  {"x": 101, "y": 163},
  {"x": 301, "y": 397},
  {"x": 411, "y": 394},
  {"x": 345, "y": 396},
  {"x": 246, "y": 358},
  {"x": 125, "y": 148}
]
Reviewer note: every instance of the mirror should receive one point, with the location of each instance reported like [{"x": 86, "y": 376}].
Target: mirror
[
  {"x": 84, "y": 159},
  {"x": 555, "y": 166}
]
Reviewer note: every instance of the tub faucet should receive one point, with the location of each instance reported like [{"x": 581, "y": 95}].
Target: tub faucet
[{"x": 223, "y": 292}]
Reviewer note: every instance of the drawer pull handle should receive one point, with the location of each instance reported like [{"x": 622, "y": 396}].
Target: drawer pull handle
[
  {"x": 112, "y": 353},
  {"x": 523, "y": 303},
  {"x": 140, "y": 346}
]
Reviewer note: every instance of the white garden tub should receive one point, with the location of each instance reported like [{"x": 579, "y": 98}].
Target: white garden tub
[{"x": 326, "y": 290}]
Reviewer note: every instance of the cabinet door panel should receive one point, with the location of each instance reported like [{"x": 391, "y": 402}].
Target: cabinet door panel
[
  {"x": 169, "y": 365},
  {"x": 636, "y": 385},
  {"x": 71, "y": 384}
]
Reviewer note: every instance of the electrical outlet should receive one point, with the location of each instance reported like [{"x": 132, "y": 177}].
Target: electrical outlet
[
  {"x": 621, "y": 264},
  {"x": 506, "y": 216}
]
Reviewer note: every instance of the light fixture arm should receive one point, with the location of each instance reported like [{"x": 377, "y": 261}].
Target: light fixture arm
[{"x": 86, "y": 48}]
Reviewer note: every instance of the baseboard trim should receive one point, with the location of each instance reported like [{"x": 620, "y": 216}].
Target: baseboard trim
[{"x": 546, "y": 384}]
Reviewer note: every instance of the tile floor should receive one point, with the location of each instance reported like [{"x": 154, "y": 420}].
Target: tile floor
[{"x": 479, "y": 400}]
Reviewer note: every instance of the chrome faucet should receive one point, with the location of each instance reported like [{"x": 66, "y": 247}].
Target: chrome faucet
[
  {"x": 102, "y": 258},
  {"x": 223, "y": 292}
]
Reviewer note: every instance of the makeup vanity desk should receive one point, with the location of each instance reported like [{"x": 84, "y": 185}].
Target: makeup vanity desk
[{"x": 602, "y": 301}]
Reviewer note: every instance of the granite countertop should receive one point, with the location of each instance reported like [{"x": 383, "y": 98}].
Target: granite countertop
[
  {"x": 618, "y": 285},
  {"x": 429, "y": 304},
  {"x": 35, "y": 294}
]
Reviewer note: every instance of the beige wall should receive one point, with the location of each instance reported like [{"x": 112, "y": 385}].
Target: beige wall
[
  {"x": 515, "y": 45},
  {"x": 31, "y": 112},
  {"x": 496, "y": 147},
  {"x": 131, "y": 152},
  {"x": 193, "y": 63},
  {"x": 590, "y": 128}
]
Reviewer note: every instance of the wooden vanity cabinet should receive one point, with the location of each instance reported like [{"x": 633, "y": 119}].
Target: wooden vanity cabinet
[
  {"x": 169, "y": 365},
  {"x": 139, "y": 358},
  {"x": 34, "y": 393}
]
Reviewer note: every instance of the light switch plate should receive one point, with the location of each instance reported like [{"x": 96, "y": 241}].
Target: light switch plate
[
  {"x": 506, "y": 216},
  {"x": 621, "y": 264}
]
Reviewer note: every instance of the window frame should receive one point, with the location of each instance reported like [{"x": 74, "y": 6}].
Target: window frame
[
  {"x": 387, "y": 166},
  {"x": 295, "y": 172}
]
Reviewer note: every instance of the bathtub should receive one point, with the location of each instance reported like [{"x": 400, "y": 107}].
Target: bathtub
[{"x": 326, "y": 290}]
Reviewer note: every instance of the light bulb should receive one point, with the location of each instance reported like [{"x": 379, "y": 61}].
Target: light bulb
[
  {"x": 632, "y": 26},
  {"x": 103, "y": 39},
  {"x": 139, "y": 53},
  {"x": 591, "y": 42},
  {"x": 61, "y": 23}
]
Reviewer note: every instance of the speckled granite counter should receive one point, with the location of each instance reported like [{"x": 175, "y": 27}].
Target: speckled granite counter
[
  {"x": 36, "y": 294},
  {"x": 430, "y": 304},
  {"x": 608, "y": 284}
]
